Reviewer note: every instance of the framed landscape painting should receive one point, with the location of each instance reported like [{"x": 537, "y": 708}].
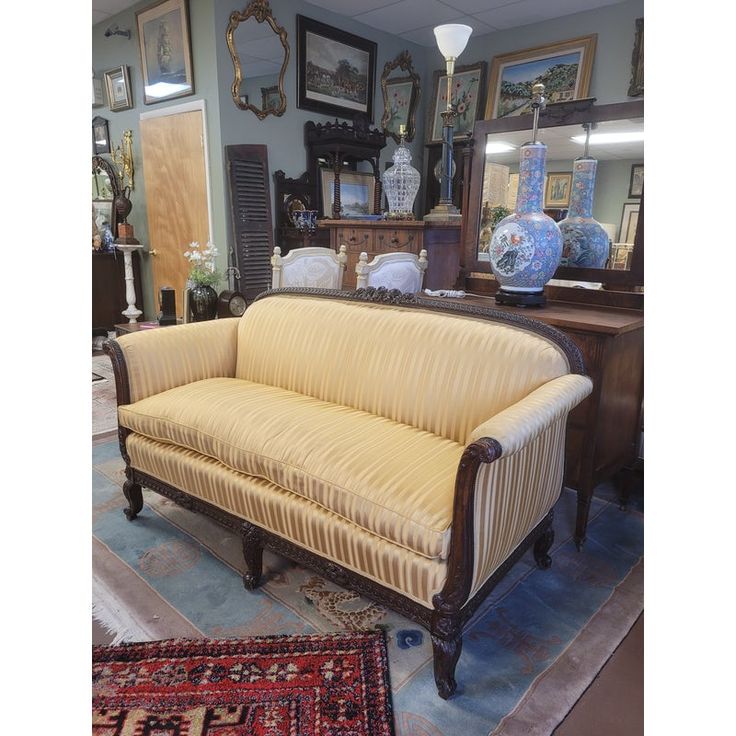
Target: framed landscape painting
[
  {"x": 166, "y": 54},
  {"x": 563, "y": 68},
  {"x": 468, "y": 93},
  {"x": 336, "y": 70},
  {"x": 356, "y": 193}
]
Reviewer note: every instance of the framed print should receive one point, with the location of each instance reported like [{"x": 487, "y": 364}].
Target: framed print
[
  {"x": 400, "y": 109},
  {"x": 117, "y": 84},
  {"x": 636, "y": 85},
  {"x": 336, "y": 71},
  {"x": 356, "y": 193},
  {"x": 636, "y": 184},
  {"x": 564, "y": 68},
  {"x": 166, "y": 54},
  {"x": 100, "y": 136},
  {"x": 468, "y": 94},
  {"x": 557, "y": 190},
  {"x": 270, "y": 97},
  {"x": 629, "y": 221}
]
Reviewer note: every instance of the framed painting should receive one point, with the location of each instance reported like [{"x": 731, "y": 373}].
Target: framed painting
[
  {"x": 270, "y": 97},
  {"x": 356, "y": 193},
  {"x": 468, "y": 93},
  {"x": 166, "y": 53},
  {"x": 117, "y": 84},
  {"x": 336, "y": 70},
  {"x": 636, "y": 183},
  {"x": 400, "y": 108},
  {"x": 629, "y": 221},
  {"x": 557, "y": 189},
  {"x": 636, "y": 85},
  {"x": 564, "y": 68},
  {"x": 100, "y": 136}
]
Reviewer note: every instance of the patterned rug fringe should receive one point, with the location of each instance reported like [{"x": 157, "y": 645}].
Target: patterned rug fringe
[{"x": 114, "y": 617}]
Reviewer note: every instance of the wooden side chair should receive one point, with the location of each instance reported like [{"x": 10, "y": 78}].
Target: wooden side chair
[
  {"x": 402, "y": 271},
  {"x": 318, "y": 267}
]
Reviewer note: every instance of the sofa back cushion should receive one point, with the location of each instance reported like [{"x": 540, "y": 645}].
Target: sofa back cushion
[{"x": 439, "y": 372}]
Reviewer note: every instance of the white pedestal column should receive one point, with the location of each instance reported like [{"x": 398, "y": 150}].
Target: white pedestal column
[{"x": 132, "y": 312}]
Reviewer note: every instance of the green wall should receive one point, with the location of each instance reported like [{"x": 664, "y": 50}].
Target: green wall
[{"x": 226, "y": 124}]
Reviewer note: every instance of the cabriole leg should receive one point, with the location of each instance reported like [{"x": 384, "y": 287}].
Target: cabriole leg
[
  {"x": 253, "y": 555},
  {"x": 446, "y": 654},
  {"x": 134, "y": 495}
]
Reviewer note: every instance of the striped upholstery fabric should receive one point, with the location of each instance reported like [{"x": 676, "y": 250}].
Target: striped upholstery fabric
[
  {"x": 161, "y": 359},
  {"x": 291, "y": 517},
  {"x": 391, "y": 479},
  {"x": 438, "y": 372}
]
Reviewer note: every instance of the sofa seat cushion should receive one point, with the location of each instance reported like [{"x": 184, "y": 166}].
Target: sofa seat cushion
[{"x": 391, "y": 479}]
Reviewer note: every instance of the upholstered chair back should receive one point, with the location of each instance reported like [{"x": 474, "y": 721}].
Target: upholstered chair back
[
  {"x": 317, "y": 267},
  {"x": 439, "y": 372},
  {"x": 402, "y": 271}
]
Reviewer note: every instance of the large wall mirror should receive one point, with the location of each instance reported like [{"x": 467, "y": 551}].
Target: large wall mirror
[
  {"x": 260, "y": 55},
  {"x": 617, "y": 144},
  {"x": 400, "y": 87}
]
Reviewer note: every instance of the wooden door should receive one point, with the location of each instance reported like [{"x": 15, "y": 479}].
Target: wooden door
[{"x": 176, "y": 195}]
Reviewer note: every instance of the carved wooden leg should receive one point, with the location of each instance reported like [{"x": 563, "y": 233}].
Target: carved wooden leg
[
  {"x": 253, "y": 554},
  {"x": 134, "y": 495},
  {"x": 446, "y": 654},
  {"x": 542, "y": 547},
  {"x": 585, "y": 496}
]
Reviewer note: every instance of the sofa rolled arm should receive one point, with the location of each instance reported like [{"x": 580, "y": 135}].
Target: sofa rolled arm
[
  {"x": 519, "y": 424},
  {"x": 152, "y": 361}
]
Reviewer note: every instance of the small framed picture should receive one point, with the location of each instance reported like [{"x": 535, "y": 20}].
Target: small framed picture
[
  {"x": 117, "y": 83},
  {"x": 557, "y": 190},
  {"x": 270, "y": 97},
  {"x": 356, "y": 193},
  {"x": 636, "y": 184},
  {"x": 468, "y": 97},
  {"x": 629, "y": 221},
  {"x": 166, "y": 53},
  {"x": 100, "y": 136}
]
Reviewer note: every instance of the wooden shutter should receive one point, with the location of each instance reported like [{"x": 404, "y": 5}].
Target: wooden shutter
[{"x": 250, "y": 200}]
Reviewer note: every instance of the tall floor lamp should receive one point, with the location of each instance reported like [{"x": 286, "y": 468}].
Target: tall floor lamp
[{"x": 451, "y": 40}]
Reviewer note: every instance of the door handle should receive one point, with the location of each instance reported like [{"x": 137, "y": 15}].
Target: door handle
[{"x": 153, "y": 252}]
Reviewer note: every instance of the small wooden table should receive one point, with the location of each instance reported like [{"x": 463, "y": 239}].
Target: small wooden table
[
  {"x": 603, "y": 431},
  {"x": 127, "y": 327}
]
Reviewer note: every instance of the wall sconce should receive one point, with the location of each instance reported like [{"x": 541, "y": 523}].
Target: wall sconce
[
  {"x": 451, "y": 40},
  {"x": 122, "y": 155},
  {"x": 117, "y": 31}
]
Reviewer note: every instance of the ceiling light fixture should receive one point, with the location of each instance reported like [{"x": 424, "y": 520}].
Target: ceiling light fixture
[
  {"x": 603, "y": 138},
  {"x": 499, "y": 147}
]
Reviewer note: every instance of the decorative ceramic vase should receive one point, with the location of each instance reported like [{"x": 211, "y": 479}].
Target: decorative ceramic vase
[
  {"x": 202, "y": 302},
  {"x": 401, "y": 184},
  {"x": 585, "y": 242},
  {"x": 526, "y": 246}
]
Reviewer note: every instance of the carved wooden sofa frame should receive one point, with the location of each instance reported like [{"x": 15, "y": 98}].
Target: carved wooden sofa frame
[{"x": 453, "y": 606}]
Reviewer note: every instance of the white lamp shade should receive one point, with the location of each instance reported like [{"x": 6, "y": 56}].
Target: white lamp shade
[{"x": 452, "y": 39}]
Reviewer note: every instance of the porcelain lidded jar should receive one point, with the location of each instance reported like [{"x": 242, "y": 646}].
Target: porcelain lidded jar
[
  {"x": 526, "y": 246},
  {"x": 585, "y": 242}
]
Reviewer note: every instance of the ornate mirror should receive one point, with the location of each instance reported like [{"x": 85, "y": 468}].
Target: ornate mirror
[
  {"x": 400, "y": 87},
  {"x": 105, "y": 187},
  {"x": 260, "y": 54},
  {"x": 617, "y": 144}
]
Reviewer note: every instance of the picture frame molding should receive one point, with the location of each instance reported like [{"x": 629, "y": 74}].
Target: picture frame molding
[
  {"x": 638, "y": 192},
  {"x": 306, "y": 25},
  {"x": 100, "y": 122},
  {"x": 539, "y": 52},
  {"x": 550, "y": 203},
  {"x": 110, "y": 78},
  {"x": 327, "y": 176},
  {"x": 629, "y": 209},
  {"x": 440, "y": 74},
  {"x": 141, "y": 19}
]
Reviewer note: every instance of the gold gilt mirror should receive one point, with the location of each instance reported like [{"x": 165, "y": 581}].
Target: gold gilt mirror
[
  {"x": 400, "y": 87},
  {"x": 260, "y": 54}
]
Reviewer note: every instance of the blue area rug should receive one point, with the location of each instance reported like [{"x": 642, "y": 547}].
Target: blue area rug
[{"x": 522, "y": 632}]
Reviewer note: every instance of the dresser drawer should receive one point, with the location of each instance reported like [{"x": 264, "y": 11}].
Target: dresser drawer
[
  {"x": 398, "y": 240},
  {"x": 355, "y": 239}
]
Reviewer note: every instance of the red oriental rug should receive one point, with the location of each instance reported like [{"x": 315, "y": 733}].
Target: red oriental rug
[{"x": 258, "y": 686}]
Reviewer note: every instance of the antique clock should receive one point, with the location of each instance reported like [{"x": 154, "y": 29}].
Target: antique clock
[{"x": 231, "y": 304}]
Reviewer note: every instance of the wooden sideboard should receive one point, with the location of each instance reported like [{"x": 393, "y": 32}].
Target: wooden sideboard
[
  {"x": 108, "y": 289},
  {"x": 441, "y": 241},
  {"x": 604, "y": 430}
]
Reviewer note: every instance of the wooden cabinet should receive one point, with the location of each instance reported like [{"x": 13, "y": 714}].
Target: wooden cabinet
[
  {"x": 108, "y": 289},
  {"x": 603, "y": 431},
  {"x": 440, "y": 240}
]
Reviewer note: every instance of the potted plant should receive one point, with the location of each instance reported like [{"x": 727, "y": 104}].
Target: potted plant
[{"x": 203, "y": 276}]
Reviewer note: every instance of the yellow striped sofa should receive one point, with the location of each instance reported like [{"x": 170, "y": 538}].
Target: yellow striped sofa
[{"x": 407, "y": 448}]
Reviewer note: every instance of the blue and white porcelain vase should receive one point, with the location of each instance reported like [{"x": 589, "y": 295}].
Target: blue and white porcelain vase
[
  {"x": 585, "y": 242},
  {"x": 526, "y": 246}
]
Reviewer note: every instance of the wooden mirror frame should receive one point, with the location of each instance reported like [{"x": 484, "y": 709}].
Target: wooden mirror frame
[
  {"x": 402, "y": 61},
  {"x": 101, "y": 163},
  {"x": 553, "y": 116},
  {"x": 261, "y": 11}
]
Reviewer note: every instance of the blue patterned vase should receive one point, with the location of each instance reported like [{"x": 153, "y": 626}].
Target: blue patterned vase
[
  {"x": 585, "y": 242},
  {"x": 526, "y": 246}
]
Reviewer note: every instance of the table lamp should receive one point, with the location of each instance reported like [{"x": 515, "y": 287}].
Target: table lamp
[{"x": 451, "y": 40}]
